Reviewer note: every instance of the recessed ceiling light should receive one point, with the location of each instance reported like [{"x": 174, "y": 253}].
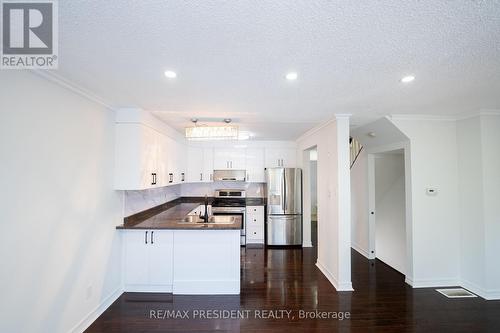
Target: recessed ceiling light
[
  {"x": 171, "y": 74},
  {"x": 292, "y": 76},
  {"x": 408, "y": 78}
]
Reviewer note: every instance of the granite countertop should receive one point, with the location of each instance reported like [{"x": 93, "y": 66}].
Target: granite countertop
[
  {"x": 170, "y": 214},
  {"x": 171, "y": 217}
]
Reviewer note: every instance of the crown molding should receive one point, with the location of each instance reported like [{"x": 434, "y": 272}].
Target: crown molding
[
  {"x": 73, "y": 87},
  {"x": 420, "y": 117}
]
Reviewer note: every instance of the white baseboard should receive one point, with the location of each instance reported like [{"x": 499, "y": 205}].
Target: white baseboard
[
  {"x": 94, "y": 314},
  {"x": 346, "y": 286},
  {"x": 196, "y": 287},
  {"x": 308, "y": 244},
  {"x": 488, "y": 295},
  {"x": 360, "y": 250},
  {"x": 140, "y": 288},
  {"x": 433, "y": 283}
]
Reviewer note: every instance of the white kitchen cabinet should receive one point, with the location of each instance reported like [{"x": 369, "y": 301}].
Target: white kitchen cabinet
[
  {"x": 254, "y": 224},
  {"x": 137, "y": 150},
  {"x": 195, "y": 164},
  {"x": 229, "y": 159},
  {"x": 280, "y": 157},
  {"x": 148, "y": 260},
  {"x": 254, "y": 161},
  {"x": 208, "y": 165},
  {"x": 200, "y": 165},
  {"x": 181, "y": 161}
]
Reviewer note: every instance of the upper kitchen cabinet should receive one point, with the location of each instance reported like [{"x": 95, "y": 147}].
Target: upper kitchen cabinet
[
  {"x": 229, "y": 159},
  {"x": 208, "y": 164},
  {"x": 254, "y": 160},
  {"x": 280, "y": 157},
  {"x": 138, "y": 164},
  {"x": 195, "y": 164},
  {"x": 200, "y": 165},
  {"x": 176, "y": 162}
]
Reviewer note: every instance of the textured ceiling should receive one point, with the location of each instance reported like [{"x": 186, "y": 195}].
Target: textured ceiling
[{"x": 231, "y": 58}]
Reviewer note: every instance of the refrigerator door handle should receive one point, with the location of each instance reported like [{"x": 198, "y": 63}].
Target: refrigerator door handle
[{"x": 284, "y": 191}]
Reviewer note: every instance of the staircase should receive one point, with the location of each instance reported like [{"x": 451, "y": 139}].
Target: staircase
[{"x": 355, "y": 148}]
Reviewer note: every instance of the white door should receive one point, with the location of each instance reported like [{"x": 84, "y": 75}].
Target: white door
[
  {"x": 161, "y": 251},
  {"x": 195, "y": 164},
  {"x": 136, "y": 257},
  {"x": 254, "y": 161}
]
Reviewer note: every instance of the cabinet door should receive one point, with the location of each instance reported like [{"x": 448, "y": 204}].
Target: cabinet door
[
  {"x": 254, "y": 160},
  {"x": 136, "y": 267},
  {"x": 136, "y": 156},
  {"x": 162, "y": 162},
  {"x": 195, "y": 165},
  {"x": 161, "y": 251},
  {"x": 171, "y": 161},
  {"x": 280, "y": 157},
  {"x": 180, "y": 158},
  {"x": 208, "y": 164},
  {"x": 221, "y": 159},
  {"x": 237, "y": 160}
]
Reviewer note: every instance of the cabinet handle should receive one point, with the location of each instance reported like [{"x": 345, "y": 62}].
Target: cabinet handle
[
  {"x": 146, "y": 238},
  {"x": 211, "y": 177},
  {"x": 152, "y": 239},
  {"x": 201, "y": 177},
  {"x": 171, "y": 177},
  {"x": 152, "y": 179},
  {"x": 182, "y": 177}
]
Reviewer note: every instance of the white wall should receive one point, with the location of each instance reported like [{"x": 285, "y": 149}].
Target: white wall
[
  {"x": 490, "y": 125},
  {"x": 478, "y": 141},
  {"x": 334, "y": 239},
  {"x": 359, "y": 205},
  {"x": 59, "y": 250},
  {"x": 472, "y": 256},
  {"x": 435, "y": 219},
  {"x": 390, "y": 230}
]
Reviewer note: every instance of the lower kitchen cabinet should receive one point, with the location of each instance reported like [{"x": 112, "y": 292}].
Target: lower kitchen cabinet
[
  {"x": 148, "y": 260},
  {"x": 254, "y": 224}
]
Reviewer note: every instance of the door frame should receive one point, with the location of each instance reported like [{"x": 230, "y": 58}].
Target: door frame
[{"x": 408, "y": 203}]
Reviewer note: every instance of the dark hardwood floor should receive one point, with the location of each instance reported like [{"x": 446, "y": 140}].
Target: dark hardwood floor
[{"x": 287, "y": 279}]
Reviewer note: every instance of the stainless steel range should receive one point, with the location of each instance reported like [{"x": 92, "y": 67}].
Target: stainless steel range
[{"x": 231, "y": 202}]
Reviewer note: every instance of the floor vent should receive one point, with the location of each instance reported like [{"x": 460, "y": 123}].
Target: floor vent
[{"x": 456, "y": 293}]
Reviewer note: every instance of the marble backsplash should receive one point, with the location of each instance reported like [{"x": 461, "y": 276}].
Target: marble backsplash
[
  {"x": 202, "y": 189},
  {"x": 137, "y": 201}
]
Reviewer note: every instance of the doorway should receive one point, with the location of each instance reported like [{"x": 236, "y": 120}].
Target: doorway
[
  {"x": 389, "y": 209},
  {"x": 313, "y": 175},
  {"x": 310, "y": 197}
]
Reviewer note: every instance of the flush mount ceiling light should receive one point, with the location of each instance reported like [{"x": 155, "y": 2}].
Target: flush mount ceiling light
[
  {"x": 205, "y": 132},
  {"x": 292, "y": 76},
  {"x": 170, "y": 74},
  {"x": 408, "y": 79}
]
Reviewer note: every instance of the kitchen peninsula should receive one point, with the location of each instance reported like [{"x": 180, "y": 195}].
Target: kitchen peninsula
[{"x": 169, "y": 249}]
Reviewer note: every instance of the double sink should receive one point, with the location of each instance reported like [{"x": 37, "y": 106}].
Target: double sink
[{"x": 214, "y": 219}]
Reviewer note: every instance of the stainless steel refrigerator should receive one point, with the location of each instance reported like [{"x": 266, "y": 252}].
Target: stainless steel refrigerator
[{"x": 284, "y": 206}]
